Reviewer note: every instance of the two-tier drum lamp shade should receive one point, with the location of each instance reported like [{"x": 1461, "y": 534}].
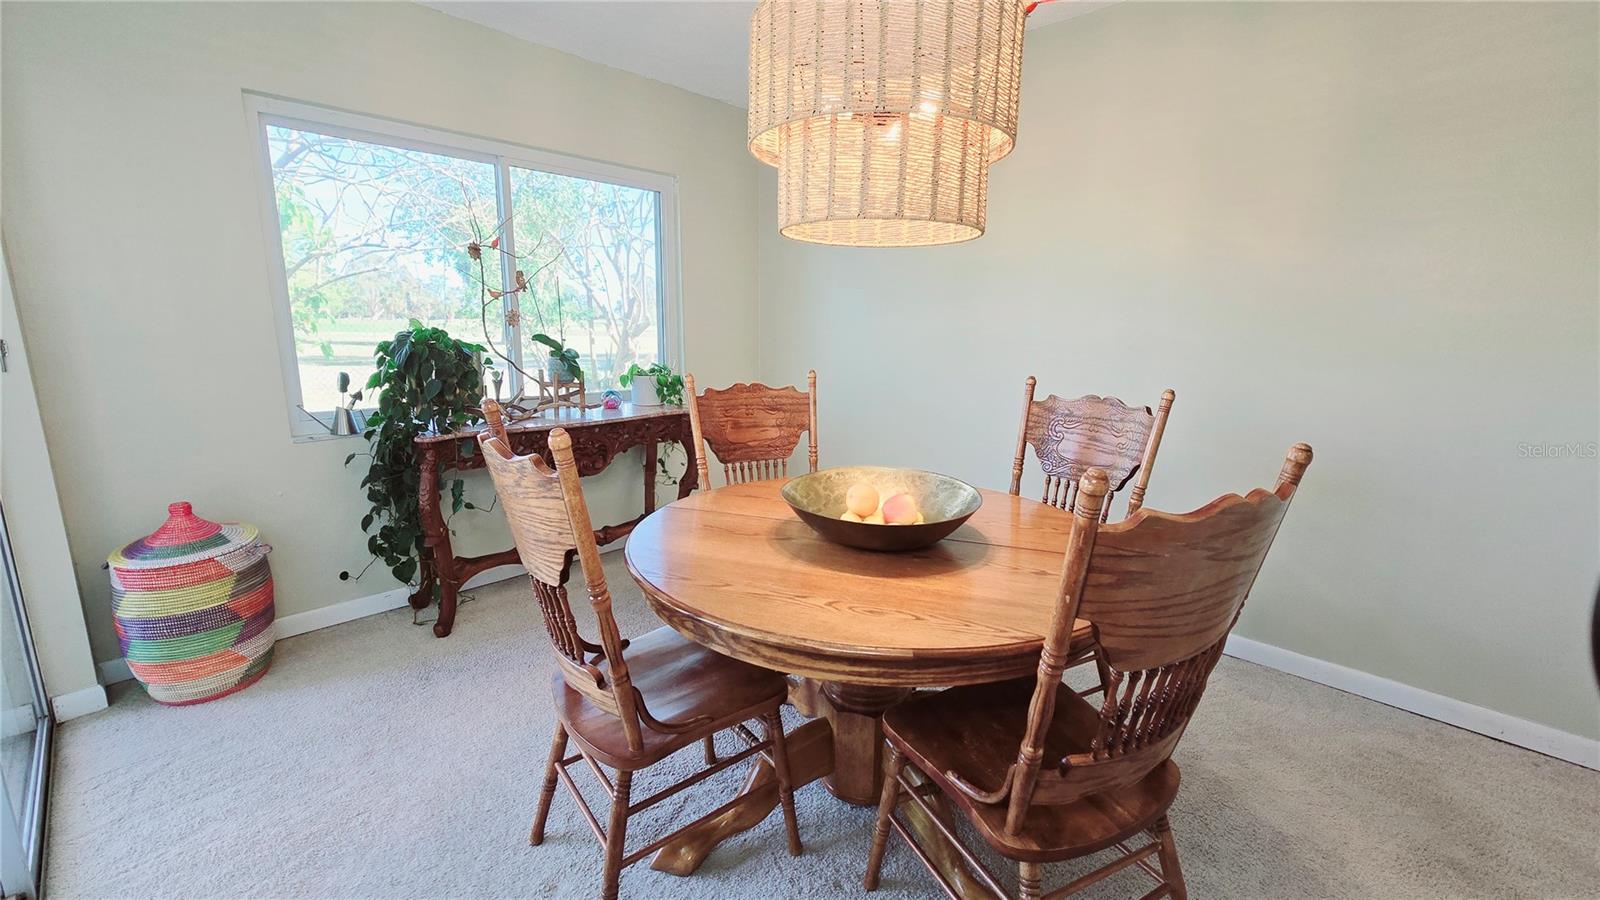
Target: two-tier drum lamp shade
[{"x": 882, "y": 118}]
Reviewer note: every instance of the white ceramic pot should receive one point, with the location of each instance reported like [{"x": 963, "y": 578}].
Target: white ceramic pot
[
  {"x": 557, "y": 373},
  {"x": 644, "y": 391}
]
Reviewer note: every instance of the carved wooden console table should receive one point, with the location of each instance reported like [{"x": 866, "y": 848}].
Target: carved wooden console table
[{"x": 598, "y": 435}]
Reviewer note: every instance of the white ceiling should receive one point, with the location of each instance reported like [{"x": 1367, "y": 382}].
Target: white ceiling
[{"x": 697, "y": 45}]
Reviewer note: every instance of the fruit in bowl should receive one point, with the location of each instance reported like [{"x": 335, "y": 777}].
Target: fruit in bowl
[
  {"x": 861, "y": 505},
  {"x": 878, "y": 508},
  {"x": 901, "y": 509},
  {"x": 861, "y": 500}
]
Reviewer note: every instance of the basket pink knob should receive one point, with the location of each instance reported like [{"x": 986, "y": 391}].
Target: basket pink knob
[{"x": 182, "y": 526}]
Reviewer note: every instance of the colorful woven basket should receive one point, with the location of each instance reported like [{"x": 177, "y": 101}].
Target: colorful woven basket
[{"x": 193, "y": 608}]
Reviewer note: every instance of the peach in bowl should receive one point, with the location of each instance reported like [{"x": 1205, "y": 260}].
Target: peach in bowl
[{"x": 878, "y": 508}]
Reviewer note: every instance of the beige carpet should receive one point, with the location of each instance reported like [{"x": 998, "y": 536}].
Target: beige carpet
[{"x": 376, "y": 761}]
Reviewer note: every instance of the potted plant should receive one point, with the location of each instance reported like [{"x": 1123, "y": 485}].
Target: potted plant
[
  {"x": 427, "y": 382},
  {"x": 562, "y": 367},
  {"x": 653, "y": 386}
]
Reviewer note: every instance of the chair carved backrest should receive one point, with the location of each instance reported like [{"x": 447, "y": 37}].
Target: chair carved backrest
[
  {"x": 550, "y": 522},
  {"x": 1162, "y": 591},
  {"x": 1070, "y": 437},
  {"x": 752, "y": 428}
]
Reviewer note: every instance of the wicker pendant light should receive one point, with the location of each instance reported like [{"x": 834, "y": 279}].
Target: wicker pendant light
[{"x": 883, "y": 116}]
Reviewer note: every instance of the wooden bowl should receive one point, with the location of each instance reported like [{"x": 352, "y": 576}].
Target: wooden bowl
[{"x": 945, "y": 502}]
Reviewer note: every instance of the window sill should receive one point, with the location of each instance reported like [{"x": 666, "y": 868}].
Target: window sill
[{"x": 322, "y": 436}]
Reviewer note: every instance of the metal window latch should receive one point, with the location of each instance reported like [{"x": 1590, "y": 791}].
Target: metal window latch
[{"x": 5, "y": 353}]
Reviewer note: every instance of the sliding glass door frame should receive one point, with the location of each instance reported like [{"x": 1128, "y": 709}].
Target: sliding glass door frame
[{"x": 22, "y": 842}]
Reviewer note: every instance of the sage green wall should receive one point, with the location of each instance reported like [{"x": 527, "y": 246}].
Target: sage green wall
[
  {"x": 132, "y": 205},
  {"x": 1369, "y": 226}
]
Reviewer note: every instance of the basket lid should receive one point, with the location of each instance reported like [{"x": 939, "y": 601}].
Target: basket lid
[{"x": 183, "y": 538}]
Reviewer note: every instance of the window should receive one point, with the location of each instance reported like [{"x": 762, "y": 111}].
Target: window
[{"x": 372, "y": 220}]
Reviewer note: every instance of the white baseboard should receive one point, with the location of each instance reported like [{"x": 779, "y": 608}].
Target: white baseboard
[
  {"x": 79, "y": 703},
  {"x": 1500, "y": 726},
  {"x": 113, "y": 671}
]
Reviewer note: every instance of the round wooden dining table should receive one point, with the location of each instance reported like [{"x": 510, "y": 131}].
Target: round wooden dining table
[{"x": 735, "y": 570}]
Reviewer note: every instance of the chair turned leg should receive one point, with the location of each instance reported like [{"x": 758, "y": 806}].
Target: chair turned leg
[
  {"x": 1028, "y": 884},
  {"x": 892, "y": 767},
  {"x": 558, "y": 749},
  {"x": 711, "y": 750},
  {"x": 1168, "y": 853},
  {"x": 616, "y": 833},
  {"x": 780, "y": 758}
]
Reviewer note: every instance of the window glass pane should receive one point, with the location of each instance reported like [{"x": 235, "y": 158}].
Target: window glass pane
[
  {"x": 374, "y": 236},
  {"x": 590, "y": 250}
]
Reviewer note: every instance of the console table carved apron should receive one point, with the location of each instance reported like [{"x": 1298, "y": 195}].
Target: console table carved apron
[
  {"x": 598, "y": 435},
  {"x": 735, "y": 570}
]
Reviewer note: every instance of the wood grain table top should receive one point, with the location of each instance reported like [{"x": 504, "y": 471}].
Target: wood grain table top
[{"x": 735, "y": 569}]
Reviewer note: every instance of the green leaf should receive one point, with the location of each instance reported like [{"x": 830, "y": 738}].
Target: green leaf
[
  {"x": 405, "y": 570},
  {"x": 366, "y": 522},
  {"x": 431, "y": 389}
]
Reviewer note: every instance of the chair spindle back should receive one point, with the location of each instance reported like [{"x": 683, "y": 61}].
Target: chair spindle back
[
  {"x": 1162, "y": 591},
  {"x": 752, "y": 428},
  {"x": 1069, "y": 437},
  {"x": 550, "y": 522}
]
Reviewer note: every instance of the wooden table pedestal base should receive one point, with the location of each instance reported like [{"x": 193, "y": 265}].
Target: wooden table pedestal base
[
  {"x": 856, "y": 713},
  {"x": 845, "y": 750}
]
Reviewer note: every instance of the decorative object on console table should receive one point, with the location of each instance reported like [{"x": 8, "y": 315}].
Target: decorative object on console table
[
  {"x": 598, "y": 435},
  {"x": 653, "y": 386},
  {"x": 556, "y": 392},
  {"x": 193, "y": 608}
]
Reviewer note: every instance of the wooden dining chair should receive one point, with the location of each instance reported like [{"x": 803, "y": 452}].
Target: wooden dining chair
[
  {"x": 626, "y": 705},
  {"x": 1071, "y": 436},
  {"x": 752, "y": 428},
  {"x": 1042, "y": 774}
]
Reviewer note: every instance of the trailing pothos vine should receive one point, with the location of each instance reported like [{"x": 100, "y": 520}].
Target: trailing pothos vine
[{"x": 428, "y": 382}]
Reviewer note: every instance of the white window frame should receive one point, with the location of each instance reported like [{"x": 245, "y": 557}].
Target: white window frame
[{"x": 262, "y": 111}]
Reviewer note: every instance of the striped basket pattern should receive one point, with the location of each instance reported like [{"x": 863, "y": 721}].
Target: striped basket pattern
[{"x": 193, "y": 608}]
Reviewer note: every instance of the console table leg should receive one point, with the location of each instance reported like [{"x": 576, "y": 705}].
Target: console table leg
[
  {"x": 691, "y": 469},
  {"x": 436, "y": 537},
  {"x": 423, "y": 595},
  {"x": 649, "y": 477},
  {"x": 447, "y": 608}
]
